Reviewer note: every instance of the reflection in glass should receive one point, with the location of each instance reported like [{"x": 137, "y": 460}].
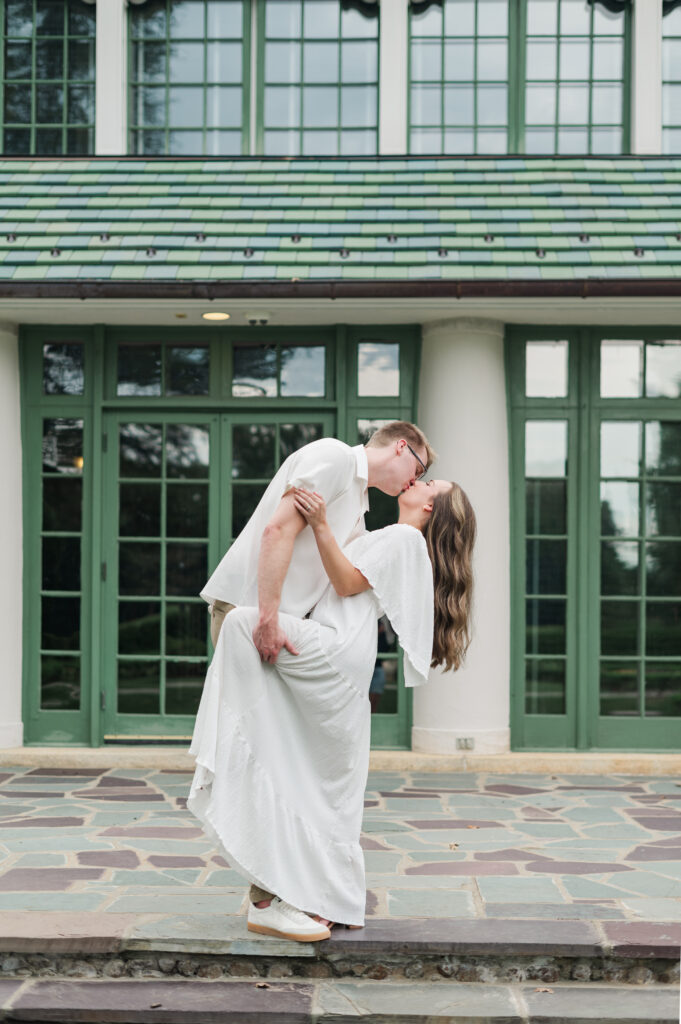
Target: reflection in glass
[
  {"x": 621, "y": 369},
  {"x": 663, "y": 689},
  {"x": 139, "y": 510},
  {"x": 320, "y": 106},
  {"x": 663, "y": 448},
  {"x": 60, "y": 624},
  {"x": 61, "y": 563},
  {"x": 255, "y": 371},
  {"x": 663, "y": 628},
  {"x": 365, "y": 428},
  {"x": 187, "y": 510},
  {"x": 293, "y": 436},
  {"x": 619, "y": 688},
  {"x": 303, "y": 371},
  {"x": 63, "y": 446},
  {"x": 139, "y": 370},
  {"x": 139, "y": 568},
  {"x": 546, "y": 506},
  {"x": 139, "y": 627},
  {"x": 186, "y": 628},
  {"x": 378, "y": 368},
  {"x": 620, "y": 627},
  {"x": 59, "y": 683},
  {"x": 253, "y": 451},
  {"x": 187, "y": 371},
  {"x": 184, "y": 685},
  {"x": 139, "y": 687},
  {"x": 140, "y": 449},
  {"x": 545, "y": 626},
  {"x": 62, "y": 503},
  {"x": 282, "y": 62},
  {"x": 663, "y": 509},
  {"x": 545, "y": 566},
  {"x": 620, "y": 449},
  {"x": 619, "y": 568},
  {"x": 546, "y": 369},
  {"x": 619, "y": 509},
  {"x": 663, "y": 369},
  {"x": 546, "y": 448},
  {"x": 224, "y": 20},
  {"x": 544, "y": 686},
  {"x": 63, "y": 370},
  {"x": 426, "y": 61},
  {"x": 186, "y": 568},
  {"x": 245, "y": 497},
  {"x": 186, "y": 62},
  {"x": 663, "y": 569}
]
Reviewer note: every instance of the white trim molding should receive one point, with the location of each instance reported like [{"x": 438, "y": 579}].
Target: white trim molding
[
  {"x": 392, "y": 84},
  {"x": 646, "y": 77},
  {"x": 111, "y": 78}
]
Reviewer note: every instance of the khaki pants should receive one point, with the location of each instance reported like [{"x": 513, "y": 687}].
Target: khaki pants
[{"x": 218, "y": 610}]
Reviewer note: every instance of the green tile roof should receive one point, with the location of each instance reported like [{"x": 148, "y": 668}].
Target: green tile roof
[{"x": 383, "y": 219}]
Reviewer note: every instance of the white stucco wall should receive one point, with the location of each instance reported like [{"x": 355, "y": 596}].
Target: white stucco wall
[
  {"x": 462, "y": 408},
  {"x": 11, "y": 729}
]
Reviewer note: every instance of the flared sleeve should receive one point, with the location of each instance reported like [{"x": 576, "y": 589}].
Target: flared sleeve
[{"x": 395, "y": 562}]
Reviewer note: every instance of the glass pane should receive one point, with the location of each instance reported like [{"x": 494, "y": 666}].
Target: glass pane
[
  {"x": 620, "y": 449},
  {"x": 546, "y": 369},
  {"x": 186, "y": 628},
  {"x": 139, "y": 370},
  {"x": 139, "y": 569},
  {"x": 606, "y": 104},
  {"x": 663, "y": 689},
  {"x": 49, "y": 106},
  {"x": 60, "y": 624},
  {"x": 545, "y": 686},
  {"x": 63, "y": 370},
  {"x": 18, "y": 60},
  {"x": 17, "y": 104},
  {"x": 607, "y": 22},
  {"x": 572, "y": 140},
  {"x": 663, "y": 569},
  {"x": 148, "y": 20},
  {"x": 541, "y": 59},
  {"x": 545, "y": 568},
  {"x": 619, "y": 688},
  {"x": 426, "y": 61},
  {"x": 663, "y": 449},
  {"x": 186, "y": 510},
  {"x": 149, "y": 62},
  {"x": 492, "y": 60},
  {"x": 140, "y": 449},
  {"x": 320, "y": 106},
  {"x": 492, "y": 104},
  {"x": 663, "y": 628},
  {"x": 63, "y": 446},
  {"x": 61, "y": 563},
  {"x": 542, "y": 17},
  {"x": 186, "y": 62},
  {"x": 320, "y": 143},
  {"x": 185, "y": 106},
  {"x": 253, "y": 451},
  {"x": 365, "y": 428},
  {"x": 303, "y": 371},
  {"x": 574, "y": 59},
  {"x": 540, "y": 104},
  {"x": 245, "y": 497},
  {"x": 140, "y": 510},
  {"x": 282, "y": 107},
  {"x": 383, "y": 686},
  {"x": 619, "y": 509},
  {"x": 619, "y": 568},
  {"x": 81, "y": 104},
  {"x": 663, "y": 369},
  {"x": 359, "y": 62},
  {"x": 224, "y": 63},
  {"x": 546, "y": 448},
  {"x": 19, "y": 17},
  {"x": 293, "y": 436},
  {"x": 663, "y": 509},
  {"x": 619, "y": 627},
  {"x": 359, "y": 24},
  {"x": 608, "y": 58},
  {"x": 139, "y": 627},
  {"x": 320, "y": 18},
  {"x": 184, "y": 685},
  {"x": 459, "y": 63},
  {"x": 573, "y": 104},
  {"x": 621, "y": 369},
  {"x": 139, "y": 687},
  {"x": 186, "y": 568},
  {"x": 358, "y": 106},
  {"x": 541, "y": 140},
  {"x": 224, "y": 19},
  {"x": 282, "y": 61},
  {"x": 187, "y": 451},
  {"x": 188, "y": 371},
  {"x": 378, "y": 368},
  {"x": 546, "y": 506},
  {"x": 62, "y": 503},
  {"x": 255, "y": 371},
  {"x": 545, "y": 627},
  {"x": 425, "y": 108},
  {"x": 186, "y": 19},
  {"x": 59, "y": 683},
  {"x": 49, "y": 64},
  {"x": 320, "y": 63},
  {"x": 459, "y": 107}
]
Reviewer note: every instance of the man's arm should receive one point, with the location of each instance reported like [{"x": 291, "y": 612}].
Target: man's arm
[
  {"x": 276, "y": 549},
  {"x": 345, "y": 579}
]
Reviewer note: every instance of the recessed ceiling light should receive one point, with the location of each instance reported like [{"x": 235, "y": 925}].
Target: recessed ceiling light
[{"x": 215, "y": 316}]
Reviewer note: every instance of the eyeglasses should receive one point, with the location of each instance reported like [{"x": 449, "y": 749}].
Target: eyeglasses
[{"x": 421, "y": 464}]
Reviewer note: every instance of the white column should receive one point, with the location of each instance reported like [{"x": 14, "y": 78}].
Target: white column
[
  {"x": 462, "y": 408},
  {"x": 392, "y": 85},
  {"x": 11, "y": 728},
  {"x": 111, "y": 62},
  {"x": 646, "y": 77}
]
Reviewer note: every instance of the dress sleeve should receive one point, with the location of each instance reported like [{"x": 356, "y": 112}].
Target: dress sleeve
[
  {"x": 395, "y": 562},
  {"x": 325, "y": 468}
]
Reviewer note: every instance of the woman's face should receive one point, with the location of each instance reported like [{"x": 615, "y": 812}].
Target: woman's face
[{"x": 422, "y": 493}]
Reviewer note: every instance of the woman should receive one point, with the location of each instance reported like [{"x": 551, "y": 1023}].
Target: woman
[{"x": 282, "y": 750}]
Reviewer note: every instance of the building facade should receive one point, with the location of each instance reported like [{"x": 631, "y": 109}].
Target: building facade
[{"x": 230, "y": 227}]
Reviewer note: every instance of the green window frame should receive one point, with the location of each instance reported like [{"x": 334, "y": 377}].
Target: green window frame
[
  {"x": 188, "y": 74},
  {"x": 48, "y": 77},
  {"x": 566, "y": 65},
  {"x": 671, "y": 77}
]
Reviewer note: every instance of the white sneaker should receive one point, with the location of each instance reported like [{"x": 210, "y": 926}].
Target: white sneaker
[{"x": 284, "y": 921}]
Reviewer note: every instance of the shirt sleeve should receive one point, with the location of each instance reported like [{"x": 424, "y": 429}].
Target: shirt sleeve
[
  {"x": 395, "y": 562},
  {"x": 325, "y": 468}
]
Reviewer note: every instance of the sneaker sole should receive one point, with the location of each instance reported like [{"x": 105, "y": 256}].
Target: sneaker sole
[{"x": 261, "y": 929}]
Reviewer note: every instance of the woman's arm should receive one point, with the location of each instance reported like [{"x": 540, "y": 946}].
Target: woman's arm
[{"x": 345, "y": 579}]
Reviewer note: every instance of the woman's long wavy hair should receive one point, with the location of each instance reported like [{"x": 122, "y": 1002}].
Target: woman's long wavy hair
[{"x": 450, "y": 536}]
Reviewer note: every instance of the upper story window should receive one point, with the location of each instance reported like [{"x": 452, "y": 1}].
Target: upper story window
[
  {"x": 48, "y": 77},
  {"x": 671, "y": 80},
  {"x": 510, "y": 76}
]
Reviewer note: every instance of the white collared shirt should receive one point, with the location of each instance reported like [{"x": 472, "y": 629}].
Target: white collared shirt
[{"x": 340, "y": 474}]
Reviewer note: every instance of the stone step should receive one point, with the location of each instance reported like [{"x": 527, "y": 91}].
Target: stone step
[{"x": 171, "y": 1001}]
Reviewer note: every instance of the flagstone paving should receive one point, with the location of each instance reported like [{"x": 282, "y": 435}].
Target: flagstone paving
[{"x": 466, "y": 847}]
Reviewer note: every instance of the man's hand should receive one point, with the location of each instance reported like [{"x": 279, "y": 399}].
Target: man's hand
[{"x": 269, "y": 638}]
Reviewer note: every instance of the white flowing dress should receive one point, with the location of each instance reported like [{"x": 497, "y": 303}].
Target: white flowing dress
[{"x": 282, "y": 751}]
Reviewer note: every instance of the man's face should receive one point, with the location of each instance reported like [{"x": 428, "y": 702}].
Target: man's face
[{"x": 406, "y": 467}]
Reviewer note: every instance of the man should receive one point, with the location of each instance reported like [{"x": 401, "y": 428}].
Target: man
[{"x": 274, "y": 563}]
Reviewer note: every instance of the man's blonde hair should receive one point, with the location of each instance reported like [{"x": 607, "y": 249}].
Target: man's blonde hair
[{"x": 398, "y": 430}]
